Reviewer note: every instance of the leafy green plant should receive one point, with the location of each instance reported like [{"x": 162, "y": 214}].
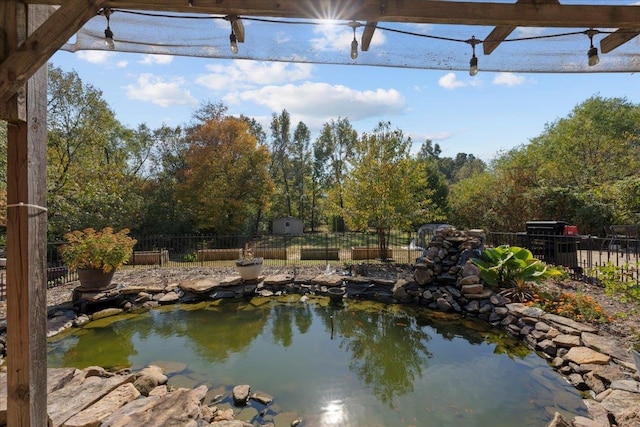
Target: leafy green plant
[
  {"x": 507, "y": 266},
  {"x": 103, "y": 249},
  {"x": 192, "y": 257},
  {"x": 618, "y": 281}
]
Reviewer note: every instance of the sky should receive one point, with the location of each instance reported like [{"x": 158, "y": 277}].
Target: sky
[{"x": 482, "y": 115}]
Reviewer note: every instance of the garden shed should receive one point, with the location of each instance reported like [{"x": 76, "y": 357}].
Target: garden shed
[
  {"x": 288, "y": 225},
  {"x": 32, "y": 31}
]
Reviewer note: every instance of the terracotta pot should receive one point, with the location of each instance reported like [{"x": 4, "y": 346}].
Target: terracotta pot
[
  {"x": 249, "y": 269},
  {"x": 92, "y": 279}
]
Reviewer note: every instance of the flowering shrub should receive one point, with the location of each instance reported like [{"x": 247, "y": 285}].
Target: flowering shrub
[
  {"x": 103, "y": 249},
  {"x": 576, "y": 306}
]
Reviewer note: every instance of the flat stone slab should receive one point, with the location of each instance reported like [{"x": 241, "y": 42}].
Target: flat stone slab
[
  {"x": 522, "y": 310},
  {"x": 569, "y": 322},
  {"x": 80, "y": 393},
  {"x": 582, "y": 355},
  {"x": 620, "y": 400},
  {"x": 207, "y": 285},
  {"x": 605, "y": 345},
  {"x": 328, "y": 280},
  {"x": 278, "y": 280},
  {"x": 94, "y": 414},
  {"x": 177, "y": 408}
]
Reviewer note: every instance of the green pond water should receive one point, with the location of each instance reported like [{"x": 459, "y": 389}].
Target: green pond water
[{"x": 381, "y": 365}]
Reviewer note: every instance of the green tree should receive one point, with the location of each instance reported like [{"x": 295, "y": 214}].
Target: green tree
[
  {"x": 226, "y": 179},
  {"x": 301, "y": 166},
  {"x": 378, "y": 191},
  {"x": 435, "y": 188},
  {"x": 333, "y": 150},
  {"x": 281, "y": 169},
  {"x": 91, "y": 176}
]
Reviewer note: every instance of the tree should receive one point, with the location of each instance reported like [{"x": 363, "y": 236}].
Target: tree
[
  {"x": 332, "y": 151},
  {"x": 378, "y": 189},
  {"x": 281, "y": 169},
  {"x": 435, "y": 184},
  {"x": 597, "y": 142},
  {"x": 226, "y": 178},
  {"x": 89, "y": 175},
  {"x": 301, "y": 166}
]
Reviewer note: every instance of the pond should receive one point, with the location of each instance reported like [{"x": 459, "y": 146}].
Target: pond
[{"x": 361, "y": 363}]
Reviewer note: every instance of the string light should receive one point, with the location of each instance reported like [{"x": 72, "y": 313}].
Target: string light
[
  {"x": 354, "y": 43},
  {"x": 592, "y": 53},
  {"x": 473, "y": 63},
  {"x": 108, "y": 34},
  {"x": 233, "y": 42}
]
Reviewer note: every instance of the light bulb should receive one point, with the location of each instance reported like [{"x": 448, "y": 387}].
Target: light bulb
[
  {"x": 108, "y": 39},
  {"x": 473, "y": 66},
  {"x": 233, "y": 42},
  {"x": 593, "y": 56},
  {"x": 354, "y": 49}
]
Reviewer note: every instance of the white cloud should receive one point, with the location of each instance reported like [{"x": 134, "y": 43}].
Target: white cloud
[
  {"x": 248, "y": 74},
  {"x": 449, "y": 81},
  {"x": 153, "y": 59},
  {"x": 157, "y": 90},
  {"x": 339, "y": 38},
  {"x": 315, "y": 103},
  {"x": 122, "y": 64},
  {"x": 508, "y": 79},
  {"x": 95, "y": 56}
]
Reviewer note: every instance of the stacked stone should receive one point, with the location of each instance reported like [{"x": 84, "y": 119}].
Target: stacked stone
[
  {"x": 451, "y": 281},
  {"x": 591, "y": 362}
]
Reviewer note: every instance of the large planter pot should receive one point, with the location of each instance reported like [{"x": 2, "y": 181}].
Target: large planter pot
[
  {"x": 94, "y": 279},
  {"x": 249, "y": 269}
]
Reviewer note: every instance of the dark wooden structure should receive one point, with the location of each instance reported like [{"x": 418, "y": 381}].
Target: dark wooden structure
[{"x": 32, "y": 31}]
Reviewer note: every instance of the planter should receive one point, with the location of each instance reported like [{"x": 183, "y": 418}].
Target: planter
[
  {"x": 149, "y": 258},
  {"x": 249, "y": 269},
  {"x": 369, "y": 252},
  {"x": 94, "y": 279},
  {"x": 319, "y": 254},
  {"x": 336, "y": 294},
  {"x": 219, "y": 254}
]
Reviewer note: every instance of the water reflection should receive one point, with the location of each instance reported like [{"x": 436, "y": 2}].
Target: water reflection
[
  {"x": 388, "y": 350},
  {"x": 383, "y": 364},
  {"x": 334, "y": 414}
]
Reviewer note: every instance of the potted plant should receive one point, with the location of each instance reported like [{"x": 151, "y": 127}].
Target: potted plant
[
  {"x": 96, "y": 255},
  {"x": 249, "y": 267}
]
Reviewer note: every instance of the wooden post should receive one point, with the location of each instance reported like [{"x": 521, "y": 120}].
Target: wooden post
[{"x": 26, "y": 236}]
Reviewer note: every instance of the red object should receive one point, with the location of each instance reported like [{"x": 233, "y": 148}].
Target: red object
[{"x": 571, "y": 230}]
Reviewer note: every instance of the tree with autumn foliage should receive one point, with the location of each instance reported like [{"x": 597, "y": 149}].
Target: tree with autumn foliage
[
  {"x": 225, "y": 181},
  {"x": 379, "y": 191}
]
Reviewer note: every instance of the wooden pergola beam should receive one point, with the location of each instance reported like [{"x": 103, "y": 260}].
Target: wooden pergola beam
[
  {"x": 21, "y": 63},
  {"x": 618, "y": 38},
  {"x": 500, "y": 33},
  {"x": 367, "y": 35},
  {"x": 409, "y": 11},
  {"x": 26, "y": 231}
]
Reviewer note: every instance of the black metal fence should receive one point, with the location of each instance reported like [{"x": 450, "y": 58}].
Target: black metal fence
[{"x": 581, "y": 255}]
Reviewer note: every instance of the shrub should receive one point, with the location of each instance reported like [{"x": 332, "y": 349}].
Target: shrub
[
  {"x": 576, "y": 306},
  {"x": 618, "y": 281},
  {"x": 103, "y": 249}
]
